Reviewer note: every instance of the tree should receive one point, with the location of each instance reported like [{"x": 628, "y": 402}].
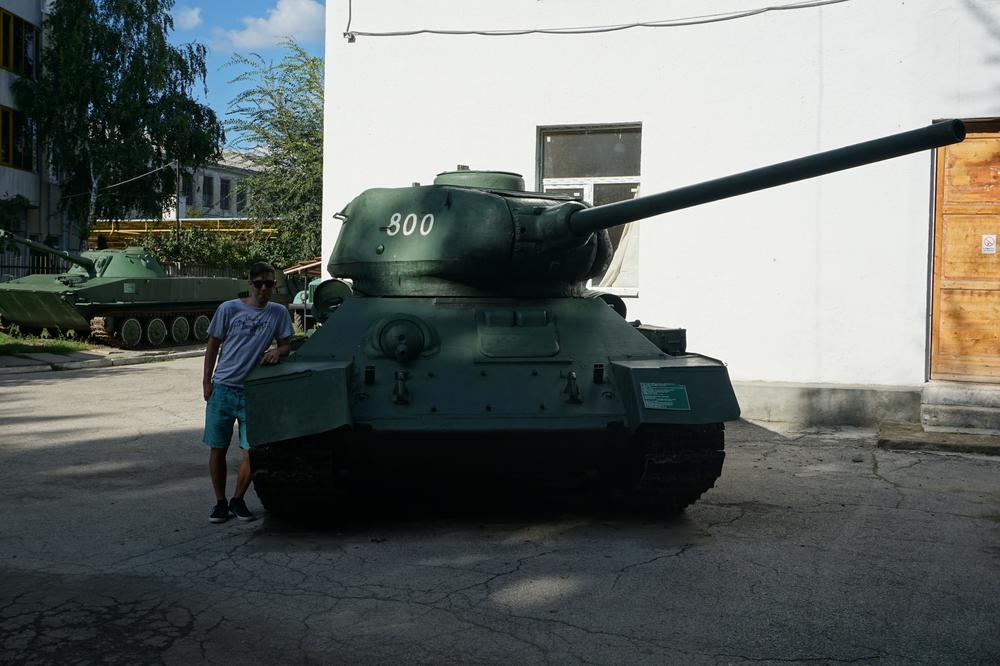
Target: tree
[
  {"x": 114, "y": 101},
  {"x": 278, "y": 122}
]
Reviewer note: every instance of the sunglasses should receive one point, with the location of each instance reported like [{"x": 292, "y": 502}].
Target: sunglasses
[{"x": 260, "y": 284}]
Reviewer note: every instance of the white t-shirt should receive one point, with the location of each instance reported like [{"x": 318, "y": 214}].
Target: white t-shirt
[{"x": 246, "y": 333}]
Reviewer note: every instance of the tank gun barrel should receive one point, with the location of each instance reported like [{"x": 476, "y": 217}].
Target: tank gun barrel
[
  {"x": 87, "y": 264},
  {"x": 584, "y": 221}
]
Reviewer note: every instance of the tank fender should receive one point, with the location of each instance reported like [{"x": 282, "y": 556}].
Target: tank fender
[
  {"x": 690, "y": 389},
  {"x": 296, "y": 399}
]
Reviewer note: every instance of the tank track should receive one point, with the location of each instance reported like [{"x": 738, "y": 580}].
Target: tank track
[
  {"x": 679, "y": 464},
  {"x": 294, "y": 479},
  {"x": 100, "y": 334},
  {"x": 664, "y": 469}
]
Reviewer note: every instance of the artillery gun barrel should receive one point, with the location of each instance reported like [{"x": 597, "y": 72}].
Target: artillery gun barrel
[
  {"x": 588, "y": 220},
  {"x": 41, "y": 247}
]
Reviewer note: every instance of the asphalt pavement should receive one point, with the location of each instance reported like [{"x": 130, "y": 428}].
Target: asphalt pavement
[{"x": 815, "y": 546}]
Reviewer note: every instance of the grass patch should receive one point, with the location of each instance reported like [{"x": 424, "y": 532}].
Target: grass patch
[{"x": 28, "y": 344}]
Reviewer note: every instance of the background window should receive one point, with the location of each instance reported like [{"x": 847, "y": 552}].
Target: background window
[
  {"x": 18, "y": 44},
  {"x": 589, "y": 153},
  {"x": 207, "y": 192},
  {"x": 224, "y": 193},
  {"x": 6, "y": 33},
  {"x": 599, "y": 164},
  {"x": 5, "y": 140},
  {"x": 187, "y": 183},
  {"x": 241, "y": 197},
  {"x": 17, "y": 140}
]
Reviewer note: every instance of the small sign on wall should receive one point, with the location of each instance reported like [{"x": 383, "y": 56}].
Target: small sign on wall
[{"x": 989, "y": 245}]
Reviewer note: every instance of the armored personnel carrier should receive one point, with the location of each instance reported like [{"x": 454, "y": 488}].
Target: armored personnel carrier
[
  {"x": 470, "y": 341},
  {"x": 120, "y": 297}
]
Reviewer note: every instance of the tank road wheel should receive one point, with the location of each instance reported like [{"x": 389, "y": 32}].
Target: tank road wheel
[
  {"x": 156, "y": 332},
  {"x": 130, "y": 333},
  {"x": 200, "y": 327},
  {"x": 180, "y": 329}
]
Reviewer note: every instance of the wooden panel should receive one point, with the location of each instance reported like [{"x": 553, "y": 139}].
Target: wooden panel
[
  {"x": 972, "y": 171},
  {"x": 962, "y": 258},
  {"x": 965, "y": 302},
  {"x": 969, "y": 322}
]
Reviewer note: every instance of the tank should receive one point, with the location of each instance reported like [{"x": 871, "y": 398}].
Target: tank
[
  {"x": 119, "y": 297},
  {"x": 468, "y": 344}
]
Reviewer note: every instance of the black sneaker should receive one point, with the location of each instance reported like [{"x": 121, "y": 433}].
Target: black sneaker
[
  {"x": 220, "y": 513},
  {"x": 240, "y": 510}
]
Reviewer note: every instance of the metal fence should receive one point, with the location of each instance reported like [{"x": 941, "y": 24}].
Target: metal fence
[
  {"x": 13, "y": 266},
  {"x": 197, "y": 270}
]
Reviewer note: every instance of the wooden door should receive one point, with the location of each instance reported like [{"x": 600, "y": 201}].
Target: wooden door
[{"x": 965, "y": 312}]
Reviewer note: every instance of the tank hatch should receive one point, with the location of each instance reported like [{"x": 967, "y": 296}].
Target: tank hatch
[{"x": 487, "y": 180}]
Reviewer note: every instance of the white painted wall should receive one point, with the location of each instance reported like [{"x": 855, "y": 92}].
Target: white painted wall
[{"x": 821, "y": 281}]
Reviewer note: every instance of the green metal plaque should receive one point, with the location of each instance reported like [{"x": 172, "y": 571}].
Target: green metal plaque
[{"x": 656, "y": 395}]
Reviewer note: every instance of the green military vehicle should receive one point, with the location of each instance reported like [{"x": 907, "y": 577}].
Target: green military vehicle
[
  {"x": 470, "y": 342},
  {"x": 120, "y": 297}
]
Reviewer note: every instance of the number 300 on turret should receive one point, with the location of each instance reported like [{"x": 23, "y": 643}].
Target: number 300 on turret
[{"x": 408, "y": 225}]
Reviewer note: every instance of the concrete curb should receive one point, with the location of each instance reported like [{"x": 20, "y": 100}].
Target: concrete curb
[
  {"x": 912, "y": 437},
  {"x": 127, "y": 359}
]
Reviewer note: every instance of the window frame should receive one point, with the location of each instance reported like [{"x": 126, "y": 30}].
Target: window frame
[
  {"x": 187, "y": 187},
  {"x": 17, "y": 129},
  {"x": 22, "y": 60},
  {"x": 225, "y": 193},
  {"x": 587, "y": 183},
  {"x": 241, "y": 198},
  {"x": 207, "y": 192}
]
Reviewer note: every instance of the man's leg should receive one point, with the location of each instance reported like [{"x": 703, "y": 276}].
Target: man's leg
[
  {"x": 243, "y": 477},
  {"x": 217, "y": 470},
  {"x": 219, "y": 417}
]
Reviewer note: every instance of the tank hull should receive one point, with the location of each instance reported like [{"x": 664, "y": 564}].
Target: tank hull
[
  {"x": 85, "y": 305},
  {"x": 505, "y": 385}
]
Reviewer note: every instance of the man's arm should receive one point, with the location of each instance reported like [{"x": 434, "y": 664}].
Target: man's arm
[
  {"x": 273, "y": 355},
  {"x": 211, "y": 356}
]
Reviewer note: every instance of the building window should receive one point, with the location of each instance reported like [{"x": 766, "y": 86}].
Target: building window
[
  {"x": 207, "y": 192},
  {"x": 17, "y": 140},
  {"x": 187, "y": 191},
  {"x": 241, "y": 197},
  {"x": 599, "y": 164},
  {"x": 224, "y": 186},
  {"x": 18, "y": 44}
]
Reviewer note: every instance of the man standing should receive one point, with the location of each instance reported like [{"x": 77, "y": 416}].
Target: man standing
[{"x": 244, "y": 328}]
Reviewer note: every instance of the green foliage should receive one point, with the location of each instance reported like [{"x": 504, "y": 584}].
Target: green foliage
[
  {"x": 198, "y": 246},
  {"x": 278, "y": 123},
  {"x": 113, "y": 101},
  {"x": 12, "y": 341}
]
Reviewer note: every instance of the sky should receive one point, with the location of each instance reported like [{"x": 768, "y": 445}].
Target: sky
[{"x": 226, "y": 27}]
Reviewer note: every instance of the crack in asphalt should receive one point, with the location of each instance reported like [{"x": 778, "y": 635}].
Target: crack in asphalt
[
  {"x": 621, "y": 572},
  {"x": 892, "y": 484}
]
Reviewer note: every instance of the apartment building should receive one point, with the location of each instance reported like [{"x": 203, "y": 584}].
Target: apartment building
[{"x": 28, "y": 194}]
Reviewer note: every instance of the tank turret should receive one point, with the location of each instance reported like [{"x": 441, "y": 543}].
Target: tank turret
[{"x": 478, "y": 233}]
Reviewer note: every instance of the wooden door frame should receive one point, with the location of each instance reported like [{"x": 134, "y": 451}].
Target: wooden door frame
[{"x": 972, "y": 125}]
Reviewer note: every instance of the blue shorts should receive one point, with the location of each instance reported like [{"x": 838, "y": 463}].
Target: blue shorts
[{"x": 225, "y": 405}]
